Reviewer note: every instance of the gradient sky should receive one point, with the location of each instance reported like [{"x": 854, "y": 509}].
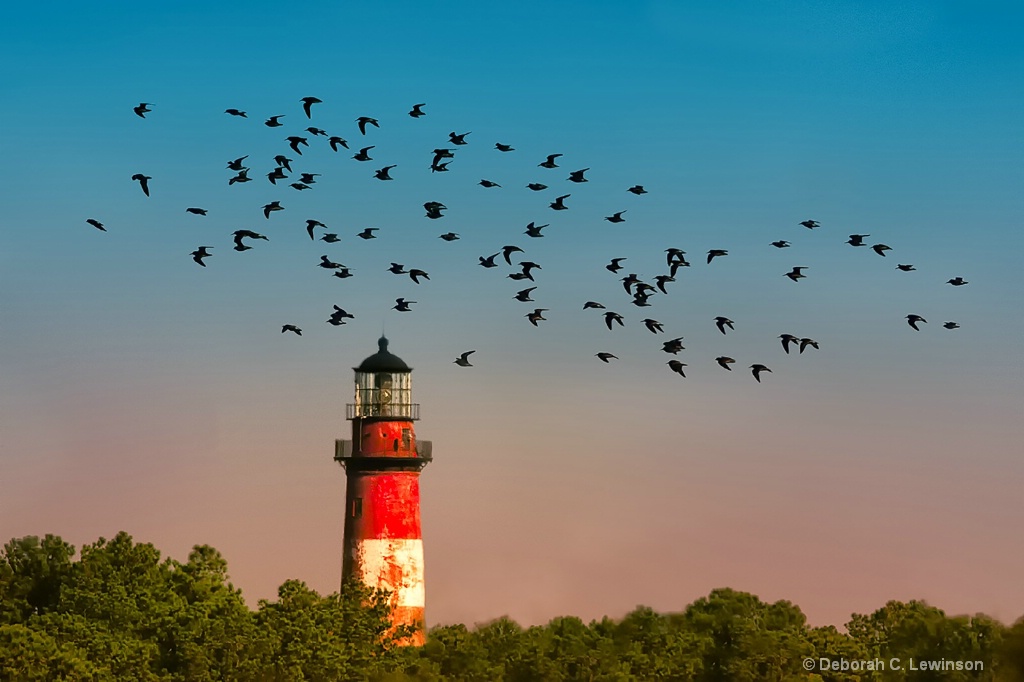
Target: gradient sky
[{"x": 141, "y": 392}]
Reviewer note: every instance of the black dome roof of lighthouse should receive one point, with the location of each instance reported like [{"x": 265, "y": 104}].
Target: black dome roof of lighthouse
[{"x": 383, "y": 360}]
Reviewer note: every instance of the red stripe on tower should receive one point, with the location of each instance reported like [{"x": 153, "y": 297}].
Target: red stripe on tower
[{"x": 383, "y": 461}]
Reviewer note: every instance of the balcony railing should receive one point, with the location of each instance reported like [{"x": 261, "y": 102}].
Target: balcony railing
[
  {"x": 420, "y": 456},
  {"x": 410, "y": 411}
]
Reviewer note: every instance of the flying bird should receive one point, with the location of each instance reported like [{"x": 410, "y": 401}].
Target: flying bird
[
  {"x": 550, "y": 163},
  {"x": 330, "y": 238},
  {"x": 291, "y": 328},
  {"x": 810, "y": 224},
  {"x": 673, "y": 255},
  {"x": 273, "y": 121},
  {"x": 781, "y": 244},
  {"x": 614, "y": 265},
  {"x": 637, "y": 190},
  {"x": 307, "y": 105},
  {"x": 797, "y": 273},
  {"x": 397, "y": 268},
  {"x": 199, "y": 254},
  {"x": 243, "y": 176},
  {"x": 558, "y": 204},
  {"x": 534, "y": 230},
  {"x": 604, "y": 357},
  {"x": 503, "y": 147},
  {"x": 363, "y": 154},
  {"x": 654, "y": 326},
  {"x": 294, "y": 141},
  {"x": 143, "y": 182},
  {"x": 328, "y": 264},
  {"x": 463, "y": 360},
  {"x": 457, "y": 139},
  {"x": 284, "y": 162},
  {"x": 676, "y": 367},
  {"x": 725, "y": 361},
  {"x": 313, "y": 130},
  {"x": 235, "y": 112},
  {"x": 335, "y": 141},
  {"x": 536, "y": 186},
  {"x": 343, "y": 273},
  {"x": 577, "y": 176},
  {"x": 363, "y": 120},
  {"x": 239, "y": 235},
  {"x": 196, "y": 211},
  {"x": 271, "y": 207},
  {"x": 382, "y": 174},
  {"x": 857, "y": 239},
  {"x": 610, "y": 317},
  {"x": 629, "y": 281},
  {"x": 308, "y": 178},
  {"x": 662, "y": 280},
  {"x": 536, "y": 315},
  {"x": 524, "y": 295},
  {"x": 592, "y": 304},
  {"x": 951, "y": 325},
  {"x": 673, "y": 346},
  {"x": 236, "y": 164},
  {"x": 507, "y": 252},
  {"x": 788, "y": 339},
  {"x": 957, "y": 281},
  {"x": 417, "y": 110},
  {"x": 442, "y": 154},
  {"x": 311, "y": 225},
  {"x": 722, "y": 323},
  {"x": 880, "y": 249},
  {"x": 616, "y": 218},
  {"x": 414, "y": 273},
  {"x": 713, "y": 253},
  {"x": 912, "y": 320},
  {"x": 450, "y": 237},
  {"x": 808, "y": 342},
  {"x": 489, "y": 261},
  {"x": 757, "y": 369},
  {"x": 528, "y": 267},
  {"x": 488, "y": 183},
  {"x": 368, "y": 233},
  {"x": 402, "y": 305},
  {"x": 142, "y": 109},
  {"x": 97, "y": 224},
  {"x": 905, "y": 268}
]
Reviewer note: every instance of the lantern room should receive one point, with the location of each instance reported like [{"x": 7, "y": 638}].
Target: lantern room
[{"x": 383, "y": 387}]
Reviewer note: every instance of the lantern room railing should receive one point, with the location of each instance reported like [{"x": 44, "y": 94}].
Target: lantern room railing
[{"x": 409, "y": 411}]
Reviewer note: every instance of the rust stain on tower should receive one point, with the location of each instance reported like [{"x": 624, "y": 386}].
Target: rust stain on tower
[{"x": 383, "y": 541}]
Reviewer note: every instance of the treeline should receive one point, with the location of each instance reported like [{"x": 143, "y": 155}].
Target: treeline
[{"x": 120, "y": 613}]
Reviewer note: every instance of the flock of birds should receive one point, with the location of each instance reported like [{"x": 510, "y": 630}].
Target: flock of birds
[{"x": 441, "y": 158}]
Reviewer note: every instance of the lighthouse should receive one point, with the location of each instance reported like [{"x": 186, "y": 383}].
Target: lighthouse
[{"x": 383, "y": 545}]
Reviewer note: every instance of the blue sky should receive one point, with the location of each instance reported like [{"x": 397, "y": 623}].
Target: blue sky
[{"x": 148, "y": 394}]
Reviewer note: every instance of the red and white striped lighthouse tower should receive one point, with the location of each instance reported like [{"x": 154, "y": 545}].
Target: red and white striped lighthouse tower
[{"x": 383, "y": 461}]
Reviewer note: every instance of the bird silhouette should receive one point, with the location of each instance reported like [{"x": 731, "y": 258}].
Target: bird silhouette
[
  {"x": 196, "y": 211},
  {"x": 343, "y": 273},
  {"x": 757, "y": 369},
  {"x": 536, "y": 315},
  {"x": 616, "y": 218},
  {"x": 311, "y": 225},
  {"x": 524, "y": 295},
  {"x": 291, "y": 328},
  {"x": 143, "y": 181},
  {"x": 199, "y": 254},
  {"x": 239, "y": 235},
  {"x": 284, "y": 162},
  {"x": 534, "y": 230},
  {"x": 722, "y": 323},
  {"x": 714, "y": 253},
  {"x": 654, "y": 326},
  {"x": 781, "y": 244},
  {"x": 957, "y": 281},
  {"x": 951, "y": 325},
  {"x": 605, "y": 357},
  {"x": 97, "y": 224},
  {"x": 336, "y": 141},
  {"x": 274, "y": 175},
  {"x": 402, "y": 305},
  {"x": 810, "y": 224},
  {"x": 307, "y": 105},
  {"x": 788, "y": 339},
  {"x": 368, "y": 233},
  {"x": 313, "y": 130},
  {"x": 363, "y": 120},
  {"x": 536, "y": 186},
  {"x": 450, "y": 237},
  {"x": 236, "y": 164},
  {"x": 637, "y": 190},
  {"x": 676, "y": 367},
  {"x": 328, "y": 264},
  {"x": 142, "y": 109},
  {"x": 416, "y": 273},
  {"x": 242, "y": 176},
  {"x": 912, "y": 320},
  {"x": 441, "y": 154},
  {"x": 610, "y": 317},
  {"x": 857, "y": 239},
  {"x": 614, "y": 265},
  {"x": 880, "y": 249},
  {"x": 273, "y": 121},
  {"x": 905, "y": 268},
  {"x": 559, "y": 203},
  {"x": 724, "y": 362},
  {"x": 308, "y": 178},
  {"x": 417, "y": 110},
  {"x": 528, "y": 267},
  {"x": 463, "y": 360},
  {"x": 503, "y": 147},
  {"x": 797, "y": 273},
  {"x": 397, "y": 268},
  {"x": 488, "y": 183},
  {"x": 457, "y": 139},
  {"x": 330, "y": 238},
  {"x": 592, "y": 304},
  {"x": 271, "y": 207},
  {"x": 673, "y": 255},
  {"x": 628, "y": 281},
  {"x": 236, "y": 112},
  {"x": 550, "y": 162},
  {"x": 294, "y": 141},
  {"x": 383, "y": 173},
  {"x": 673, "y": 346},
  {"x": 363, "y": 154},
  {"x": 808, "y": 342},
  {"x": 662, "y": 280},
  {"x": 489, "y": 261},
  {"x": 299, "y": 186},
  {"x": 577, "y": 176},
  {"x": 507, "y": 252}
]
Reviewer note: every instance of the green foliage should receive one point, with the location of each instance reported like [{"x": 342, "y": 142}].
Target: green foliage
[{"x": 122, "y": 613}]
